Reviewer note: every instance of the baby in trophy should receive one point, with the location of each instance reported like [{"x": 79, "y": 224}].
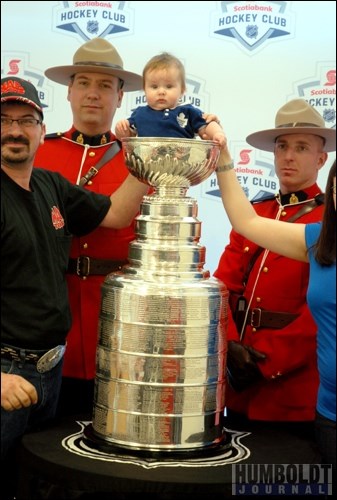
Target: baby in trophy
[{"x": 164, "y": 116}]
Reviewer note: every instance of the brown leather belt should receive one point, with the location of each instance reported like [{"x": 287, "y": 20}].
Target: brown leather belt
[
  {"x": 259, "y": 318},
  {"x": 86, "y": 266}
]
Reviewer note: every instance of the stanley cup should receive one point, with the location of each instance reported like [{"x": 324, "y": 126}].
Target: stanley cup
[{"x": 161, "y": 353}]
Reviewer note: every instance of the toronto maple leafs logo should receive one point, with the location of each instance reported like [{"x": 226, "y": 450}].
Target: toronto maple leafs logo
[{"x": 182, "y": 120}]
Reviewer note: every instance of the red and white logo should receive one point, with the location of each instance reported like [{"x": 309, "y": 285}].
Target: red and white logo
[{"x": 57, "y": 219}]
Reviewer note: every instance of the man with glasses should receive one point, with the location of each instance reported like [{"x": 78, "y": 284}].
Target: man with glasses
[
  {"x": 40, "y": 212},
  {"x": 22, "y": 122}
]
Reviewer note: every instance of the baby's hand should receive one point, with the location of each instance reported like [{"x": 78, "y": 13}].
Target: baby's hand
[
  {"x": 209, "y": 117},
  {"x": 122, "y": 129}
]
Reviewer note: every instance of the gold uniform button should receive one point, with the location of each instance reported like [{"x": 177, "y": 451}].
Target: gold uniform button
[
  {"x": 92, "y": 153},
  {"x": 246, "y": 249},
  {"x": 265, "y": 270},
  {"x": 258, "y": 299},
  {"x": 283, "y": 213},
  {"x": 89, "y": 183},
  {"x": 254, "y": 330},
  {"x": 85, "y": 245}
]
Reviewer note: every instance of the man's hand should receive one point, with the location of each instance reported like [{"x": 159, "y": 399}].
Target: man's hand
[
  {"x": 242, "y": 368},
  {"x": 16, "y": 392}
]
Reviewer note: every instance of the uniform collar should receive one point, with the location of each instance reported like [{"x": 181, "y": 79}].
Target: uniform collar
[
  {"x": 298, "y": 196},
  {"x": 95, "y": 140}
]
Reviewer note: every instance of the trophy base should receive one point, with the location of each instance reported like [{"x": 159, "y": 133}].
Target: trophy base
[{"x": 212, "y": 450}]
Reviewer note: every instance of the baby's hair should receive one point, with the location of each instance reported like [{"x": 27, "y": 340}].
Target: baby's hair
[{"x": 164, "y": 61}]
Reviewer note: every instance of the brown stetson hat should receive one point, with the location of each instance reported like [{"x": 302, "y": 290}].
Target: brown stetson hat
[
  {"x": 295, "y": 117},
  {"x": 96, "y": 56}
]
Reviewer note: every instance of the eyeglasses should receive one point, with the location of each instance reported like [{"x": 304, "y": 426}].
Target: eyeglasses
[{"x": 22, "y": 122}]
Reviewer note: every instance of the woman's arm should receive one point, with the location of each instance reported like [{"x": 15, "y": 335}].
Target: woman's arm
[{"x": 280, "y": 237}]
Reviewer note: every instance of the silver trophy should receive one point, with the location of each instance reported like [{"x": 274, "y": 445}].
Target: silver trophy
[{"x": 161, "y": 354}]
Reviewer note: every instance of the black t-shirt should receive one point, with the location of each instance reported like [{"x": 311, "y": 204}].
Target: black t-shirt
[{"x": 36, "y": 231}]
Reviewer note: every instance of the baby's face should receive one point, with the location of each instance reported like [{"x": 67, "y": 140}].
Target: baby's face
[{"x": 163, "y": 88}]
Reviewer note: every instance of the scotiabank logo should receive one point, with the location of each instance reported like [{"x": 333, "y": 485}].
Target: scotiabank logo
[
  {"x": 255, "y": 172},
  {"x": 17, "y": 64},
  {"x": 319, "y": 89},
  {"x": 331, "y": 78}
]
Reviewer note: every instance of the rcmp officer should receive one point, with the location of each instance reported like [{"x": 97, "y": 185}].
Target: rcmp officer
[
  {"x": 88, "y": 154},
  {"x": 271, "y": 363}
]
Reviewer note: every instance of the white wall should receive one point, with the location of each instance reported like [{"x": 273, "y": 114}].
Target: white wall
[{"x": 243, "y": 75}]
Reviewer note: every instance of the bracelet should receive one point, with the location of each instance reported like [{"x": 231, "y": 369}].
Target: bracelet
[{"x": 225, "y": 167}]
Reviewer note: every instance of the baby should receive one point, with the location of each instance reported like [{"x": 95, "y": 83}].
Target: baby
[{"x": 163, "y": 116}]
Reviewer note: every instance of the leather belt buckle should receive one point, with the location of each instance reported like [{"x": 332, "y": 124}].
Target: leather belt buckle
[
  {"x": 83, "y": 266},
  {"x": 255, "y": 319},
  {"x": 50, "y": 359}
]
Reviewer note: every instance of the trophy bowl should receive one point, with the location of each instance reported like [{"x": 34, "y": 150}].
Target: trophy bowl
[{"x": 159, "y": 161}]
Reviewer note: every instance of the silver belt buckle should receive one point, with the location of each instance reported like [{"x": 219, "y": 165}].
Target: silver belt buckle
[
  {"x": 50, "y": 359},
  {"x": 255, "y": 319}
]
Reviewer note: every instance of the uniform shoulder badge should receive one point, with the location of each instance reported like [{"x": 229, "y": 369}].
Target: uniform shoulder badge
[
  {"x": 54, "y": 135},
  {"x": 320, "y": 198},
  {"x": 267, "y": 197}
]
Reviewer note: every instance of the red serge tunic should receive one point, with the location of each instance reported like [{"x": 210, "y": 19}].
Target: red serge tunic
[
  {"x": 73, "y": 160},
  {"x": 288, "y": 391}
]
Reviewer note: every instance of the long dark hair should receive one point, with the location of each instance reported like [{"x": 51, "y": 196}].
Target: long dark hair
[{"x": 325, "y": 252}]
